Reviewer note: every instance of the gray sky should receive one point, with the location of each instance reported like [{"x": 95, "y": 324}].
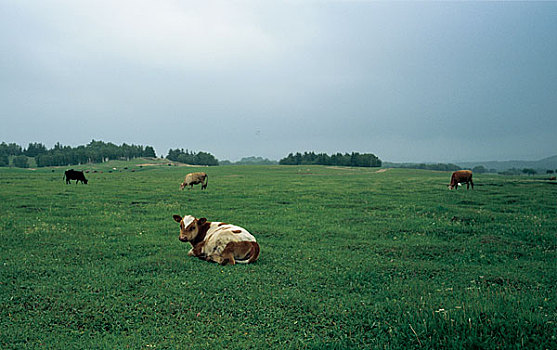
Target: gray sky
[{"x": 408, "y": 81}]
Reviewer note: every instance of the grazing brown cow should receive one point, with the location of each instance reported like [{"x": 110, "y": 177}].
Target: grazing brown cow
[
  {"x": 194, "y": 179},
  {"x": 217, "y": 241},
  {"x": 461, "y": 177}
]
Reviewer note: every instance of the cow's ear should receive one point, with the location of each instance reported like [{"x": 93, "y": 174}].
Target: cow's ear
[
  {"x": 177, "y": 218},
  {"x": 201, "y": 221}
]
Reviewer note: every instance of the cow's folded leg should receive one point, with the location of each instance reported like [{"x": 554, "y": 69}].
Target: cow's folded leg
[
  {"x": 228, "y": 259},
  {"x": 215, "y": 258}
]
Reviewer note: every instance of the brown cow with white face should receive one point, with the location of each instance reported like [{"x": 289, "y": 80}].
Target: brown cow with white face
[
  {"x": 217, "y": 241},
  {"x": 461, "y": 177},
  {"x": 194, "y": 179}
]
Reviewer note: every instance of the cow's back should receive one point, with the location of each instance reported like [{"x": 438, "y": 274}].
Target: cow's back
[
  {"x": 195, "y": 178},
  {"x": 462, "y": 175},
  {"x": 220, "y": 234}
]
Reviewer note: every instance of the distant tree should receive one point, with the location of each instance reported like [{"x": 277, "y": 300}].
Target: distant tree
[
  {"x": 4, "y": 160},
  {"x": 149, "y": 152},
  {"x": 43, "y": 160},
  {"x": 253, "y": 161},
  {"x": 298, "y": 158},
  {"x": 289, "y": 160},
  {"x": 424, "y": 166},
  {"x": 187, "y": 157},
  {"x": 480, "y": 169},
  {"x": 353, "y": 159},
  {"x": 529, "y": 171},
  {"x": 20, "y": 162},
  {"x": 203, "y": 158},
  {"x": 11, "y": 149},
  {"x": 173, "y": 154},
  {"x": 34, "y": 149},
  {"x": 550, "y": 172},
  {"x": 94, "y": 152}
]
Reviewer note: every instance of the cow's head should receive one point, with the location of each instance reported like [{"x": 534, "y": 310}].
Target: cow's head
[
  {"x": 451, "y": 187},
  {"x": 189, "y": 227},
  {"x": 182, "y": 185}
]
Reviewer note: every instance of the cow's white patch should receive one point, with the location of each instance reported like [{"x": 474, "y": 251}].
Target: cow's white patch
[{"x": 187, "y": 220}]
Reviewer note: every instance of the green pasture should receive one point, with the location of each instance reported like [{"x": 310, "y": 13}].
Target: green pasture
[{"x": 351, "y": 258}]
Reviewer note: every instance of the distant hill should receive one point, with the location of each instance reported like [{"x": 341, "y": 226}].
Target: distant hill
[
  {"x": 549, "y": 163},
  {"x": 423, "y": 166}
]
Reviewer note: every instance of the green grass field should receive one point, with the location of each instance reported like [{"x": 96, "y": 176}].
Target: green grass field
[{"x": 351, "y": 259}]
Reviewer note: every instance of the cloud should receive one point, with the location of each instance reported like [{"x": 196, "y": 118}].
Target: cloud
[
  {"x": 408, "y": 80},
  {"x": 170, "y": 34}
]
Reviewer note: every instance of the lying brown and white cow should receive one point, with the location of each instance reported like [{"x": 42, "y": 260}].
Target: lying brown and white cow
[
  {"x": 461, "y": 177},
  {"x": 217, "y": 241},
  {"x": 194, "y": 179}
]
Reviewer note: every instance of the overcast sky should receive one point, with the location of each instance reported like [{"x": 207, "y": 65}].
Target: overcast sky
[{"x": 408, "y": 81}]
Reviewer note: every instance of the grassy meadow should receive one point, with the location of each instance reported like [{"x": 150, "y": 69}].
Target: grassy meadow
[{"x": 351, "y": 258}]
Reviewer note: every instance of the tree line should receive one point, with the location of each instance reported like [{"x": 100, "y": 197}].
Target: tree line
[
  {"x": 527, "y": 171},
  {"x": 353, "y": 159},
  {"x": 250, "y": 161},
  {"x": 59, "y": 155},
  {"x": 199, "y": 158}
]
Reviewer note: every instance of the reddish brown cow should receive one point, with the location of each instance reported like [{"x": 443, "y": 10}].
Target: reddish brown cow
[{"x": 461, "y": 177}]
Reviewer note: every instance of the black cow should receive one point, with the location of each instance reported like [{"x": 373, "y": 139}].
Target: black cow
[{"x": 74, "y": 175}]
